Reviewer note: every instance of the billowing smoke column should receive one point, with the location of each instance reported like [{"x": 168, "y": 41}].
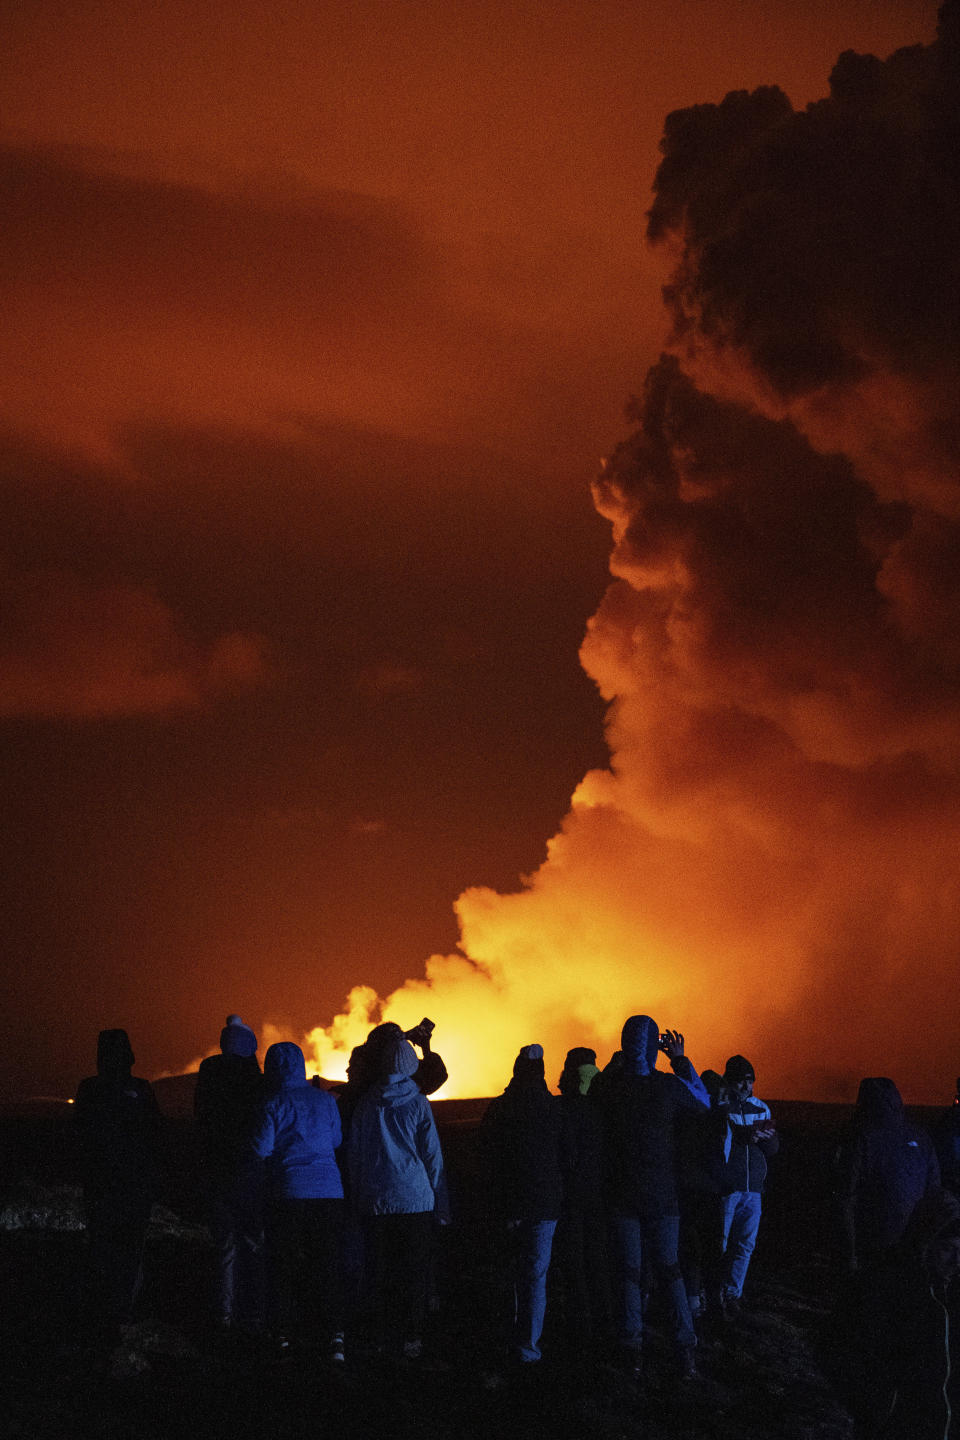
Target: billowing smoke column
[{"x": 771, "y": 862}]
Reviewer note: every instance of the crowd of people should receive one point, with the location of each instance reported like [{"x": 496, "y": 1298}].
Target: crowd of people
[{"x": 641, "y": 1186}]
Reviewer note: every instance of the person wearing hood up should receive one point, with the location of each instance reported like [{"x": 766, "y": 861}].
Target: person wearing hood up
[
  {"x": 640, "y": 1109},
  {"x": 296, "y": 1133},
  {"x": 398, "y": 1188},
  {"x": 228, "y": 1094},
  {"x": 885, "y": 1167},
  {"x": 521, "y": 1131},
  {"x": 580, "y": 1241},
  {"x": 889, "y": 1347},
  {"x": 118, "y": 1128}
]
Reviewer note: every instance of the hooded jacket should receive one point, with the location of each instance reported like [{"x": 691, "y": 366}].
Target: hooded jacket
[
  {"x": 640, "y": 1109},
  {"x": 521, "y": 1132},
  {"x": 886, "y": 1165},
  {"x": 297, "y": 1130},
  {"x": 393, "y": 1151},
  {"x": 118, "y": 1126}
]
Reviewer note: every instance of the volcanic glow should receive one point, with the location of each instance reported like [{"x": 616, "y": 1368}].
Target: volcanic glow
[{"x": 770, "y": 864}]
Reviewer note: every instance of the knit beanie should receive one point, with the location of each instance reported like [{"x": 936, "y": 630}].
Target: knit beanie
[
  {"x": 237, "y": 1038},
  {"x": 396, "y": 1056},
  {"x": 529, "y": 1063},
  {"x": 738, "y": 1068}
]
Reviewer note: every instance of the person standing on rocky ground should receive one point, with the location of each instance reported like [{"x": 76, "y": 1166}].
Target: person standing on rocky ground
[
  {"x": 228, "y": 1094},
  {"x": 520, "y": 1131},
  {"x": 118, "y": 1130},
  {"x": 297, "y": 1132},
  {"x": 640, "y": 1109},
  {"x": 399, "y": 1191},
  {"x": 580, "y": 1242},
  {"x": 749, "y": 1140}
]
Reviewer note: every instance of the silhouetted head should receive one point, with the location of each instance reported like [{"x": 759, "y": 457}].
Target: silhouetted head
[
  {"x": 284, "y": 1065},
  {"x": 114, "y": 1053},
  {"x": 739, "y": 1075},
  {"x": 380, "y": 1033},
  {"x": 237, "y": 1038},
  {"x": 528, "y": 1066},
  {"x": 640, "y": 1043},
  {"x": 878, "y": 1101},
  {"x": 713, "y": 1083},
  {"x": 578, "y": 1071}
]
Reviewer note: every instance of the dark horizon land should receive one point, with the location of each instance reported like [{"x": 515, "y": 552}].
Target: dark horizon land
[{"x": 339, "y": 677}]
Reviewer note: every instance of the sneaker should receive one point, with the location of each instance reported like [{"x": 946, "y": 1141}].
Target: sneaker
[
  {"x": 337, "y": 1356},
  {"x": 731, "y": 1307},
  {"x": 412, "y": 1349}
]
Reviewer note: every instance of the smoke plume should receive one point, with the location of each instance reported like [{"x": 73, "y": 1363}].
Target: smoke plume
[{"x": 770, "y": 862}]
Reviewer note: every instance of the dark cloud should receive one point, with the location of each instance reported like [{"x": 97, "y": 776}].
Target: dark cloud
[{"x": 821, "y": 243}]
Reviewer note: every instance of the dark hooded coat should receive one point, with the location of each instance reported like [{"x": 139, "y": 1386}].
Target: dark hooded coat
[
  {"x": 885, "y": 1167},
  {"x": 641, "y": 1106}
]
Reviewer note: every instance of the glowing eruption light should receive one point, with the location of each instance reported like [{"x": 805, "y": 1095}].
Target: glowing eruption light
[{"x": 770, "y": 863}]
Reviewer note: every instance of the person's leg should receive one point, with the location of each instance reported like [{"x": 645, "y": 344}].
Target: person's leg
[
  {"x": 628, "y": 1260},
  {"x": 325, "y": 1230},
  {"x": 570, "y": 1252},
  {"x": 283, "y": 1262},
  {"x": 222, "y": 1224},
  {"x": 534, "y": 1240},
  {"x": 662, "y": 1236},
  {"x": 249, "y": 1283},
  {"x": 741, "y": 1239}
]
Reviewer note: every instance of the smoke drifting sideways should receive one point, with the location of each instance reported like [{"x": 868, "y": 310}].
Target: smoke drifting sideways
[{"x": 770, "y": 862}]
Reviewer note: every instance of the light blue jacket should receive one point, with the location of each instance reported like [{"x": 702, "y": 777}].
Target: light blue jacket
[
  {"x": 394, "y": 1156},
  {"x": 297, "y": 1130}
]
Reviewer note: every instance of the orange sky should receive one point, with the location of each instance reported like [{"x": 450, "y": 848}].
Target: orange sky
[{"x": 317, "y": 322}]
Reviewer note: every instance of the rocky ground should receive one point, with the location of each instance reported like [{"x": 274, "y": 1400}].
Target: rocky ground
[{"x": 173, "y": 1376}]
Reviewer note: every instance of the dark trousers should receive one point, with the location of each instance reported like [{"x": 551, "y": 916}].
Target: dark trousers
[
  {"x": 116, "y": 1230},
  {"x": 303, "y": 1265},
  {"x": 235, "y": 1217},
  {"x": 396, "y": 1257},
  {"x": 580, "y": 1250},
  {"x": 701, "y": 1246}
]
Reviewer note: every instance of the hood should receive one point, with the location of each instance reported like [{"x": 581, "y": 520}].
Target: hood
[
  {"x": 878, "y": 1102},
  {"x": 578, "y": 1071},
  {"x": 284, "y": 1065},
  {"x": 237, "y": 1038},
  {"x": 640, "y": 1043},
  {"x": 114, "y": 1053}
]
